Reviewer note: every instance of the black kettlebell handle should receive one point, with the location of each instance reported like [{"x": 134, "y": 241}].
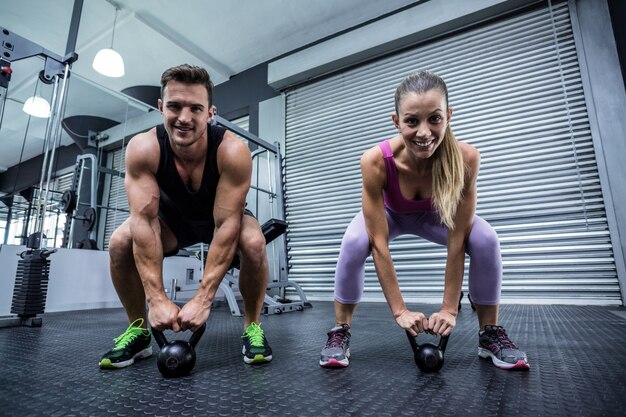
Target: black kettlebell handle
[
  {"x": 193, "y": 340},
  {"x": 443, "y": 342}
]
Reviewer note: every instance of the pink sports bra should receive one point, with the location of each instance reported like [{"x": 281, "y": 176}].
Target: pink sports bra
[{"x": 394, "y": 200}]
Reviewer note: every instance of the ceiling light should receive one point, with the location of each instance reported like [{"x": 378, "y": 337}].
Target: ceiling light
[
  {"x": 108, "y": 61},
  {"x": 37, "y": 106}
]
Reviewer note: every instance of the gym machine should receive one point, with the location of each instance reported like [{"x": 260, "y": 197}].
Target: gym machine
[
  {"x": 31, "y": 281},
  {"x": 71, "y": 203}
]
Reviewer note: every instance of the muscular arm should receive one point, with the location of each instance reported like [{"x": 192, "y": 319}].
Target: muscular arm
[
  {"x": 142, "y": 159},
  {"x": 235, "y": 165},
  {"x": 373, "y": 172}
]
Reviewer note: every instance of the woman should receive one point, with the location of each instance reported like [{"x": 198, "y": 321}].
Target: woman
[{"x": 422, "y": 182}]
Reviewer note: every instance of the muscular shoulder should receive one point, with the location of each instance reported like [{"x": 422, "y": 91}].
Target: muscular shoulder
[
  {"x": 143, "y": 153},
  {"x": 233, "y": 154}
]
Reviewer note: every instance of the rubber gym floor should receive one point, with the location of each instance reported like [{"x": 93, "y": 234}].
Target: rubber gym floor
[{"x": 577, "y": 356}]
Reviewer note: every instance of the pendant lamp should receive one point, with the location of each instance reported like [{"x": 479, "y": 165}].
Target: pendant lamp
[{"x": 108, "y": 61}]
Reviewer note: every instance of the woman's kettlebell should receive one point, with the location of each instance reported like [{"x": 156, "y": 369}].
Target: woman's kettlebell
[
  {"x": 428, "y": 356},
  {"x": 177, "y": 358}
]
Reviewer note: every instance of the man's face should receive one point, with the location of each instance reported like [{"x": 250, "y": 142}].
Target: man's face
[{"x": 186, "y": 112}]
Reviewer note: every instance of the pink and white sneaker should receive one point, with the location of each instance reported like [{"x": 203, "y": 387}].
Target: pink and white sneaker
[
  {"x": 495, "y": 344},
  {"x": 336, "y": 353}
]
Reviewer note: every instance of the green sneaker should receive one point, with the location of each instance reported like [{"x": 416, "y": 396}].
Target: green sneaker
[
  {"x": 255, "y": 347},
  {"x": 133, "y": 344}
]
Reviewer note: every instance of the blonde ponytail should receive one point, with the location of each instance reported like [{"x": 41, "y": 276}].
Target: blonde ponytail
[{"x": 448, "y": 178}]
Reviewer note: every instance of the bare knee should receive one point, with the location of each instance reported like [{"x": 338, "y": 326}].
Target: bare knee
[
  {"x": 120, "y": 243},
  {"x": 252, "y": 247}
]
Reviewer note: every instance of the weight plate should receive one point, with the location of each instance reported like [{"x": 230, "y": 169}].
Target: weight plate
[{"x": 90, "y": 219}]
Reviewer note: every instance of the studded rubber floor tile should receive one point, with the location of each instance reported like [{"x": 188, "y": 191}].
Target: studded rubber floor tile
[{"x": 577, "y": 356}]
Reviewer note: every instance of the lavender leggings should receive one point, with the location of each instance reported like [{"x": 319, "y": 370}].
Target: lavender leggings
[{"x": 483, "y": 247}]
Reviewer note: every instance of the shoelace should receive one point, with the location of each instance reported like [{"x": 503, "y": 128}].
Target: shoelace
[
  {"x": 503, "y": 338},
  {"x": 255, "y": 334},
  {"x": 129, "y": 335},
  {"x": 335, "y": 339}
]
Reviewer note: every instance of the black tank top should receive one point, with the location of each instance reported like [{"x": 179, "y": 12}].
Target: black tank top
[{"x": 176, "y": 199}]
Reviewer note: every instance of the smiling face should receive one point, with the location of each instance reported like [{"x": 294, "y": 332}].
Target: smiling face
[
  {"x": 186, "y": 112},
  {"x": 421, "y": 120}
]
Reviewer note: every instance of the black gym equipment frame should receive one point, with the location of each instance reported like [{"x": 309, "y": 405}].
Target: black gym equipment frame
[{"x": 31, "y": 281}]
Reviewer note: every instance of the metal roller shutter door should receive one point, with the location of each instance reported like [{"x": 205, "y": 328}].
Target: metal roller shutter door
[{"x": 517, "y": 95}]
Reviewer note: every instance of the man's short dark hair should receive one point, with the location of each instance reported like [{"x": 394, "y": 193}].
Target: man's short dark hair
[{"x": 188, "y": 74}]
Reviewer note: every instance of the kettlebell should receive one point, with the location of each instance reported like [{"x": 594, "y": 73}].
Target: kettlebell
[
  {"x": 428, "y": 356},
  {"x": 178, "y": 357}
]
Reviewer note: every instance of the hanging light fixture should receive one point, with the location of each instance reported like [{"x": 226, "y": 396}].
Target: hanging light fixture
[
  {"x": 108, "y": 61},
  {"x": 36, "y": 105}
]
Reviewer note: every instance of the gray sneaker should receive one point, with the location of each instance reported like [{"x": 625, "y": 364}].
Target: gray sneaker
[
  {"x": 337, "y": 350},
  {"x": 494, "y": 344}
]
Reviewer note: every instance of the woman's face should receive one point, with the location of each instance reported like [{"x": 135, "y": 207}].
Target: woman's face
[{"x": 422, "y": 120}]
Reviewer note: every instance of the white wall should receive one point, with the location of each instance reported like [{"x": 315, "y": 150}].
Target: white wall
[{"x": 80, "y": 279}]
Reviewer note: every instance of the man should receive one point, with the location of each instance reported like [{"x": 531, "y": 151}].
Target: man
[{"x": 186, "y": 183}]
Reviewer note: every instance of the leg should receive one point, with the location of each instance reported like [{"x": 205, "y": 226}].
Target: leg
[
  {"x": 349, "y": 282},
  {"x": 135, "y": 342},
  {"x": 254, "y": 269},
  {"x": 485, "y": 271},
  {"x": 350, "y": 271},
  {"x": 253, "y": 276},
  {"x": 124, "y": 273},
  {"x": 344, "y": 313},
  {"x": 487, "y": 314},
  {"x": 485, "y": 282}
]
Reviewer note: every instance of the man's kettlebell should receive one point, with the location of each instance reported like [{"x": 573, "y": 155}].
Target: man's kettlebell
[
  {"x": 428, "y": 356},
  {"x": 177, "y": 358}
]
